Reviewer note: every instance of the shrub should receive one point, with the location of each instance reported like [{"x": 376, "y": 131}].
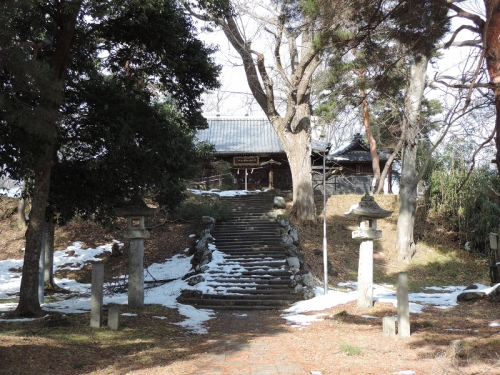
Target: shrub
[
  {"x": 196, "y": 207},
  {"x": 473, "y": 211}
]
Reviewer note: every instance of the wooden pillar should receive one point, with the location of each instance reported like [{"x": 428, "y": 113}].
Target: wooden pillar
[{"x": 271, "y": 175}]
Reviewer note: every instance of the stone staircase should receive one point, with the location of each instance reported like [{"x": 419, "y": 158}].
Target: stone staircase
[{"x": 253, "y": 275}]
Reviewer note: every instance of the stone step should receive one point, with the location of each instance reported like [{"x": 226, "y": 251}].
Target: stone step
[
  {"x": 249, "y": 255},
  {"x": 252, "y": 257},
  {"x": 268, "y": 283},
  {"x": 255, "y": 250},
  {"x": 226, "y": 248},
  {"x": 264, "y": 293},
  {"x": 239, "y": 218},
  {"x": 258, "y": 284},
  {"x": 208, "y": 299},
  {"x": 255, "y": 289},
  {"x": 247, "y": 273},
  {"x": 244, "y": 269},
  {"x": 249, "y": 222},
  {"x": 243, "y": 229},
  {"x": 243, "y": 295},
  {"x": 243, "y": 233},
  {"x": 241, "y": 308},
  {"x": 252, "y": 247},
  {"x": 254, "y": 274},
  {"x": 257, "y": 241},
  {"x": 270, "y": 251},
  {"x": 235, "y": 232},
  {"x": 252, "y": 264},
  {"x": 250, "y": 237}
]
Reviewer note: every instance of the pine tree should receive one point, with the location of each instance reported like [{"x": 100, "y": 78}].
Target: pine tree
[{"x": 48, "y": 48}]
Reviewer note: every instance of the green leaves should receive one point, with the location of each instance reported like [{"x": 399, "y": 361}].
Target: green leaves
[
  {"x": 474, "y": 211},
  {"x": 112, "y": 132}
]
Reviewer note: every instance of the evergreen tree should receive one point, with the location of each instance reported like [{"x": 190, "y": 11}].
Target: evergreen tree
[{"x": 51, "y": 48}]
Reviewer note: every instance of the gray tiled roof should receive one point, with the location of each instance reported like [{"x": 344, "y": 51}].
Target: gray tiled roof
[
  {"x": 356, "y": 151},
  {"x": 241, "y": 136}
]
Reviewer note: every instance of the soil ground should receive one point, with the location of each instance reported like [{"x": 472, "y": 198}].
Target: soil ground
[{"x": 345, "y": 341}]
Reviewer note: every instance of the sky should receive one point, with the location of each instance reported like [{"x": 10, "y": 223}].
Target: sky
[{"x": 299, "y": 315}]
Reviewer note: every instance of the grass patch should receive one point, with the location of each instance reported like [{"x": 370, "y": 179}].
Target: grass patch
[{"x": 349, "y": 349}]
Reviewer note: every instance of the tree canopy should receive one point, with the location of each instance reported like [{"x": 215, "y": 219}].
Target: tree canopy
[{"x": 58, "y": 109}]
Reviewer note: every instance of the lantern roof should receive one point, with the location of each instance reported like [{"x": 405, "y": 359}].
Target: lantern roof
[
  {"x": 368, "y": 209},
  {"x": 135, "y": 207}
]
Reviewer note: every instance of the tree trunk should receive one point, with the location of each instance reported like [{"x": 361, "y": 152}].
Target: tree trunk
[
  {"x": 492, "y": 54},
  {"x": 371, "y": 142},
  {"x": 28, "y": 296},
  {"x": 388, "y": 170},
  {"x": 48, "y": 277},
  {"x": 299, "y": 158},
  {"x": 21, "y": 214},
  {"x": 408, "y": 184},
  {"x": 21, "y": 208}
]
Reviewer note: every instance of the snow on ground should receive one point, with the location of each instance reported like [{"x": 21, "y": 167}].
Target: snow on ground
[
  {"x": 14, "y": 192},
  {"x": 74, "y": 258},
  {"x": 225, "y": 193},
  {"x": 440, "y": 297}
]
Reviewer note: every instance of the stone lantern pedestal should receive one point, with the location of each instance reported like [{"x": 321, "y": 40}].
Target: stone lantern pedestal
[
  {"x": 135, "y": 212},
  {"x": 366, "y": 213}
]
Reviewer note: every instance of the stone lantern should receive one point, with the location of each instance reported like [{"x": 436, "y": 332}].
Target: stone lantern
[
  {"x": 366, "y": 213},
  {"x": 135, "y": 212}
]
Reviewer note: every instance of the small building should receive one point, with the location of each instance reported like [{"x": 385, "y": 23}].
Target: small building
[
  {"x": 248, "y": 149},
  {"x": 351, "y": 168},
  {"x": 249, "y": 154}
]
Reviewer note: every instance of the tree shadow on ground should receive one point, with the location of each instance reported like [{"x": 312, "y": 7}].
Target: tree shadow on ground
[{"x": 66, "y": 344}]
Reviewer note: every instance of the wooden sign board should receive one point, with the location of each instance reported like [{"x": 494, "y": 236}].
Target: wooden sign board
[{"x": 246, "y": 160}]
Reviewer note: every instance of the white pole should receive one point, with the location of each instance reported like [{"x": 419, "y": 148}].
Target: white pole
[
  {"x": 325, "y": 254},
  {"x": 246, "y": 177}
]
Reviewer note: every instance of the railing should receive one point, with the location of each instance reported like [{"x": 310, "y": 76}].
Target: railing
[{"x": 210, "y": 181}]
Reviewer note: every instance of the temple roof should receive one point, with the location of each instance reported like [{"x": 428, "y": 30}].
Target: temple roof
[
  {"x": 356, "y": 151},
  {"x": 241, "y": 136}
]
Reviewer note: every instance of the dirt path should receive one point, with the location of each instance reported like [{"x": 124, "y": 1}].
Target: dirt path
[{"x": 344, "y": 342}]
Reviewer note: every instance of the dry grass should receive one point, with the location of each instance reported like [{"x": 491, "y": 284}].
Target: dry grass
[{"x": 439, "y": 259}]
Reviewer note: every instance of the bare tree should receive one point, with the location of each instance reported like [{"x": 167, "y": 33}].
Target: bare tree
[
  {"x": 275, "y": 44},
  {"x": 487, "y": 26}
]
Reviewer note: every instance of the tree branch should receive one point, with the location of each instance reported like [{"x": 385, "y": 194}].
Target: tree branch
[
  {"x": 388, "y": 164},
  {"x": 440, "y": 80},
  {"x": 463, "y": 27},
  {"x": 441, "y": 136},
  {"x": 477, "y": 20},
  {"x": 473, "y": 161},
  {"x": 277, "y": 56},
  {"x": 268, "y": 84},
  {"x": 242, "y": 46}
]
